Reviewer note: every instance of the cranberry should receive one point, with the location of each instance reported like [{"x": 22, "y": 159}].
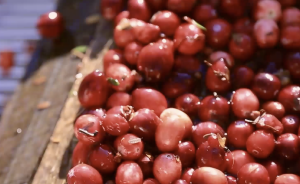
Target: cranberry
[
  {"x": 180, "y": 182},
  {"x": 115, "y": 124},
  {"x": 242, "y": 77},
  {"x": 124, "y": 111},
  {"x": 118, "y": 99},
  {"x": 213, "y": 3},
  {"x": 146, "y": 163},
  {"x": 149, "y": 98},
  {"x": 233, "y": 8},
  {"x": 267, "y": 9},
  {"x": 139, "y": 9},
  {"x": 180, "y": 6},
  {"x": 129, "y": 146},
  {"x": 156, "y": 4},
  {"x": 270, "y": 123},
  {"x": 109, "y": 9},
  {"x": 204, "y": 128},
  {"x": 188, "y": 103},
  {"x": 144, "y": 32},
  {"x": 102, "y": 159},
  {"x": 143, "y": 123},
  {"x": 260, "y": 144},
  {"x": 131, "y": 52},
  {"x": 243, "y": 25},
  {"x": 178, "y": 84},
  {"x": 253, "y": 173},
  {"x": 150, "y": 181},
  {"x": 81, "y": 153},
  {"x": 274, "y": 169},
  {"x": 211, "y": 154},
  {"x": 112, "y": 56},
  {"x": 288, "y": 146},
  {"x": 100, "y": 113},
  {"x": 236, "y": 160},
  {"x": 217, "y": 77},
  {"x": 122, "y": 74},
  {"x": 129, "y": 172},
  {"x": 187, "y": 64},
  {"x": 168, "y": 43},
  {"x": 217, "y": 55},
  {"x": 290, "y": 124},
  {"x": 88, "y": 129},
  {"x": 274, "y": 108},
  {"x": 289, "y": 97},
  {"x": 231, "y": 180},
  {"x": 186, "y": 152},
  {"x": 175, "y": 126},
  {"x": 170, "y": 164},
  {"x": 292, "y": 63},
  {"x": 83, "y": 173},
  {"x": 266, "y": 86},
  {"x": 241, "y": 46},
  {"x": 189, "y": 39},
  {"x": 266, "y": 33},
  {"x": 290, "y": 17},
  {"x": 214, "y": 108},
  {"x": 156, "y": 61},
  {"x": 187, "y": 174},
  {"x": 290, "y": 39},
  {"x": 123, "y": 35},
  {"x": 120, "y": 16},
  {"x": 167, "y": 21},
  {"x": 208, "y": 175},
  {"x": 50, "y": 25},
  {"x": 204, "y": 12},
  {"x": 241, "y": 109},
  {"x": 287, "y": 179},
  {"x": 238, "y": 133},
  {"x": 218, "y": 33},
  {"x": 6, "y": 61}
]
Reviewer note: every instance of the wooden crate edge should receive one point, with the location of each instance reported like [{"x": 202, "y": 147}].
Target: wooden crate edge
[{"x": 49, "y": 168}]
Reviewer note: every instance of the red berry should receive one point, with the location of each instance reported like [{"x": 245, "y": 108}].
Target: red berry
[
  {"x": 167, "y": 21},
  {"x": 189, "y": 39},
  {"x": 83, "y": 173},
  {"x": 50, "y": 25},
  {"x": 88, "y": 129},
  {"x": 218, "y": 33}
]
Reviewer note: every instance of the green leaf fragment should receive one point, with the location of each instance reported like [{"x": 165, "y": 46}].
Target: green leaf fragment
[
  {"x": 112, "y": 81},
  {"x": 81, "y": 48}
]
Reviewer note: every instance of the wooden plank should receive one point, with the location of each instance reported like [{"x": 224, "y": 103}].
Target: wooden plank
[
  {"x": 41, "y": 126},
  {"x": 17, "y": 115},
  {"x": 50, "y": 166}
]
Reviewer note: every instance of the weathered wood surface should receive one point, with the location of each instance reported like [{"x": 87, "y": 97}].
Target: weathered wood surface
[
  {"x": 22, "y": 150},
  {"x": 55, "y": 164},
  {"x": 35, "y": 136}
]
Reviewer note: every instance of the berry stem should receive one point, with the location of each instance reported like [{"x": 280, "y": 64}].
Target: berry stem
[
  {"x": 192, "y": 21},
  {"x": 88, "y": 133}
]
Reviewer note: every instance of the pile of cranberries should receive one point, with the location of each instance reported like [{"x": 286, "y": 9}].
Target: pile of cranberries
[{"x": 196, "y": 92}]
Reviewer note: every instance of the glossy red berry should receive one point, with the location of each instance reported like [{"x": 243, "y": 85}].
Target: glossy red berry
[
  {"x": 93, "y": 90},
  {"x": 50, "y": 25}
]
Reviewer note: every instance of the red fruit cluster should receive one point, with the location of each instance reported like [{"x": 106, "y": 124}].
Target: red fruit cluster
[{"x": 179, "y": 103}]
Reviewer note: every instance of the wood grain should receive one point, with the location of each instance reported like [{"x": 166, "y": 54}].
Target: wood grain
[
  {"x": 49, "y": 168},
  {"x": 41, "y": 125},
  {"x": 17, "y": 115}
]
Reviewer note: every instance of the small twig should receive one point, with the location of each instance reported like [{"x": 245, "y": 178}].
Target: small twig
[
  {"x": 88, "y": 133},
  {"x": 192, "y": 21}
]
